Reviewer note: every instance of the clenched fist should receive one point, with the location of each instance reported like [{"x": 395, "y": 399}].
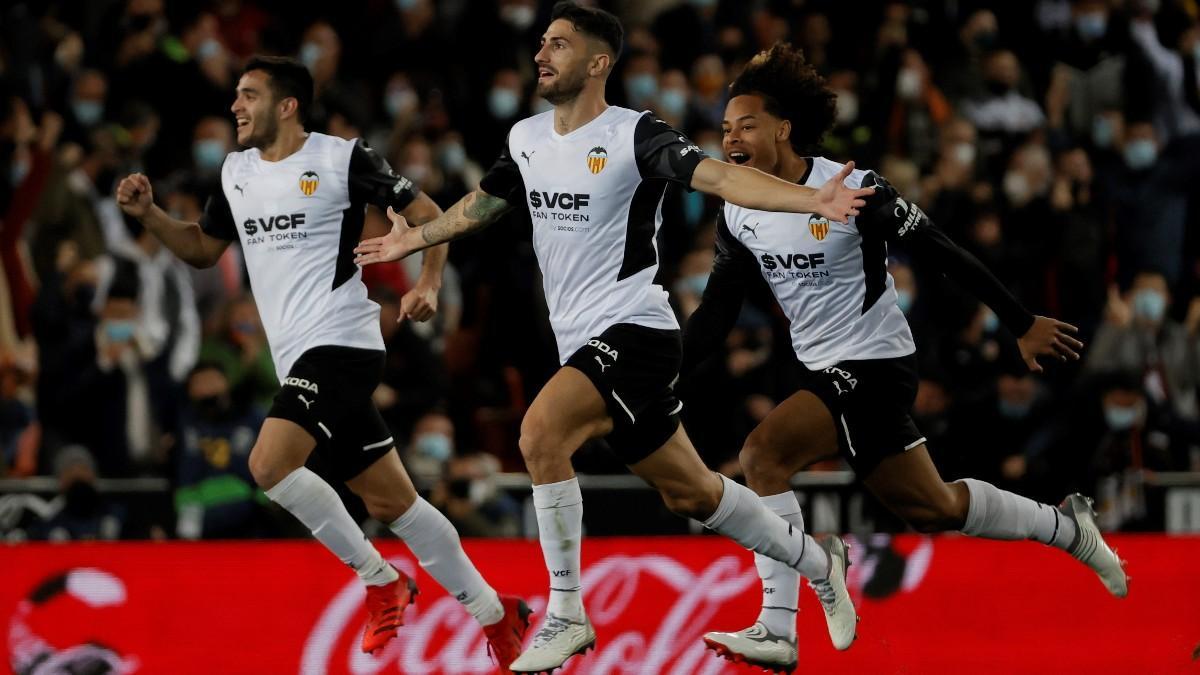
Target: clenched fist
[{"x": 134, "y": 195}]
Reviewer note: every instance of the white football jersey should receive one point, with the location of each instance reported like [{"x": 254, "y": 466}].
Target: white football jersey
[
  {"x": 830, "y": 278},
  {"x": 595, "y": 198},
  {"x": 298, "y": 221}
]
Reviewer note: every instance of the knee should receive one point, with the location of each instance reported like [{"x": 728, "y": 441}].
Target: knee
[
  {"x": 757, "y": 459},
  {"x": 386, "y": 508},
  {"x": 942, "y": 515},
  {"x": 266, "y": 467},
  {"x": 697, "y": 502},
  {"x": 539, "y": 443}
]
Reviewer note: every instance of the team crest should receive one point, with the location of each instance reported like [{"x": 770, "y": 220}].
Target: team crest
[
  {"x": 597, "y": 158},
  {"x": 308, "y": 182},
  {"x": 818, "y": 226}
]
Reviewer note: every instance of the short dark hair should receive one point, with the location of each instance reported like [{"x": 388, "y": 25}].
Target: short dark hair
[
  {"x": 288, "y": 79},
  {"x": 791, "y": 89},
  {"x": 595, "y": 22}
]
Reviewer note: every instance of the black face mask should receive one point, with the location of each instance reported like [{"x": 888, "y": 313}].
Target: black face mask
[
  {"x": 997, "y": 87},
  {"x": 212, "y": 408},
  {"x": 82, "y": 498},
  {"x": 460, "y": 487}
]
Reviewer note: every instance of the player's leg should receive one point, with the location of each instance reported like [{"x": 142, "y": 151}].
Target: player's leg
[
  {"x": 910, "y": 486},
  {"x": 390, "y": 497},
  {"x": 797, "y": 433},
  {"x": 566, "y": 413}
]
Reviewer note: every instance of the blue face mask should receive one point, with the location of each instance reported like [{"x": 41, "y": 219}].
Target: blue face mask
[
  {"x": 310, "y": 53},
  {"x": 1150, "y": 305},
  {"x": 1120, "y": 418},
  {"x": 1102, "y": 132},
  {"x": 434, "y": 446},
  {"x": 454, "y": 158},
  {"x": 904, "y": 300},
  {"x": 641, "y": 88},
  {"x": 1091, "y": 26},
  {"x": 693, "y": 283},
  {"x": 991, "y": 322},
  {"x": 19, "y": 171},
  {"x": 87, "y": 113},
  {"x": 503, "y": 103},
  {"x": 1140, "y": 154},
  {"x": 119, "y": 330},
  {"x": 1015, "y": 410},
  {"x": 673, "y": 102},
  {"x": 208, "y": 154}
]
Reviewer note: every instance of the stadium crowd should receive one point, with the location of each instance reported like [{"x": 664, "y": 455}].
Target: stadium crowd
[{"x": 1057, "y": 140}]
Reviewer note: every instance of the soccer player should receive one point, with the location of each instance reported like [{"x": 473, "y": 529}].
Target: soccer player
[
  {"x": 593, "y": 178},
  {"x": 859, "y": 377},
  {"x": 296, "y": 202}
]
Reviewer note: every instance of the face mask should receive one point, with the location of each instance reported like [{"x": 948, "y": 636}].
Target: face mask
[
  {"x": 400, "y": 101},
  {"x": 693, "y": 283},
  {"x": 1016, "y": 188},
  {"x": 310, "y": 53},
  {"x": 415, "y": 172},
  {"x": 1015, "y": 410},
  {"x": 406, "y": 5},
  {"x": 673, "y": 101},
  {"x": 453, "y": 157},
  {"x": 212, "y": 407},
  {"x": 908, "y": 84},
  {"x": 991, "y": 322},
  {"x": 997, "y": 87},
  {"x": 434, "y": 446},
  {"x": 88, "y": 113},
  {"x": 82, "y": 498},
  {"x": 208, "y": 49},
  {"x": 520, "y": 17},
  {"x": 847, "y": 108},
  {"x": 641, "y": 87},
  {"x": 480, "y": 491},
  {"x": 1150, "y": 305},
  {"x": 1092, "y": 25},
  {"x": 1102, "y": 132},
  {"x": 244, "y": 327},
  {"x": 964, "y": 153},
  {"x": 1140, "y": 154},
  {"x": 209, "y": 154},
  {"x": 20, "y": 169},
  {"x": 904, "y": 300},
  {"x": 503, "y": 103},
  {"x": 985, "y": 40},
  {"x": 119, "y": 330},
  {"x": 1121, "y": 418}
]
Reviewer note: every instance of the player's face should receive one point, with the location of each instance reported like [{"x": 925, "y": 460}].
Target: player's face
[
  {"x": 255, "y": 111},
  {"x": 750, "y": 133},
  {"x": 562, "y": 62}
]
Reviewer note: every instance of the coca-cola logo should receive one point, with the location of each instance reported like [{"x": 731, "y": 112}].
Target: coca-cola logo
[{"x": 621, "y": 591}]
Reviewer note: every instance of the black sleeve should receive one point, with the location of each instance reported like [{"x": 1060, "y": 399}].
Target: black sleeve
[
  {"x": 217, "y": 219},
  {"x": 734, "y": 268},
  {"x": 887, "y": 215},
  {"x": 663, "y": 152},
  {"x": 504, "y": 180},
  {"x": 372, "y": 181}
]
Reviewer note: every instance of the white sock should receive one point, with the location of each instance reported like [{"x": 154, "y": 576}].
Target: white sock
[
  {"x": 315, "y": 503},
  {"x": 742, "y": 517},
  {"x": 781, "y": 583},
  {"x": 997, "y": 514},
  {"x": 560, "y": 530},
  {"x": 438, "y": 548}
]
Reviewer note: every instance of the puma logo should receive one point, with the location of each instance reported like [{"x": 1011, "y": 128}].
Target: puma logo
[
  {"x": 526, "y": 157},
  {"x": 751, "y": 230},
  {"x": 603, "y": 366},
  {"x": 239, "y": 189},
  {"x": 307, "y": 403}
]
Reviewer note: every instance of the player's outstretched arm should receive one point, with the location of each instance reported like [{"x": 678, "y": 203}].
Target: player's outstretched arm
[
  {"x": 470, "y": 214},
  {"x": 754, "y": 189},
  {"x": 186, "y": 240}
]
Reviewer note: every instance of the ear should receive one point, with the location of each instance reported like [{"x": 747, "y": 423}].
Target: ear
[
  {"x": 784, "y": 132},
  {"x": 600, "y": 64},
  {"x": 288, "y": 107}
]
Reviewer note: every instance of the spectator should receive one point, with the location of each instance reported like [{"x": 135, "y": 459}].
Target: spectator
[
  {"x": 429, "y": 449},
  {"x": 79, "y": 511},
  {"x": 468, "y": 496},
  {"x": 239, "y": 345},
  {"x": 215, "y": 495},
  {"x": 1003, "y": 111}
]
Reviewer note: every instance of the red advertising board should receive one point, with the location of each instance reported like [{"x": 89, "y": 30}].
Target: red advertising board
[{"x": 928, "y": 605}]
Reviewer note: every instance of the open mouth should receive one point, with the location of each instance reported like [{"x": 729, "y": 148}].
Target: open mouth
[
  {"x": 545, "y": 74},
  {"x": 243, "y": 122},
  {"x": 738, "y": 157}
]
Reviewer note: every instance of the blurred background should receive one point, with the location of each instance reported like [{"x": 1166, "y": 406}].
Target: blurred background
[{"x": 1057, "y": 140}]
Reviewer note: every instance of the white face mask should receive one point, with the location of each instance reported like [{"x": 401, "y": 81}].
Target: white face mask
[
  {"x": 964, "y": 153},
  {"x": 520, "y": 17},
  {"x": 908, "y": 84},
  {"x": 1016, "y": 188},
  {"x": 847, "y": 107}
]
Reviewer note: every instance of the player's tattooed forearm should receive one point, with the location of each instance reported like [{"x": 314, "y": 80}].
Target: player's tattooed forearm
[{"x": 475, "y": 212}]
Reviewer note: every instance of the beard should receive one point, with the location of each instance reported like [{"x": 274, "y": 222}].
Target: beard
[
  {"x": 266, "y": 130},
  {"x": 565, "y": 87}
]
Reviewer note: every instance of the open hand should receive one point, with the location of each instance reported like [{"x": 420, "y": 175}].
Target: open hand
[
  {"x": 134, "y": 195},
  {"x": 391, "y": 246},
  {"x": 837, "y": 202},
  {"x": 1049, "y": 337}
]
